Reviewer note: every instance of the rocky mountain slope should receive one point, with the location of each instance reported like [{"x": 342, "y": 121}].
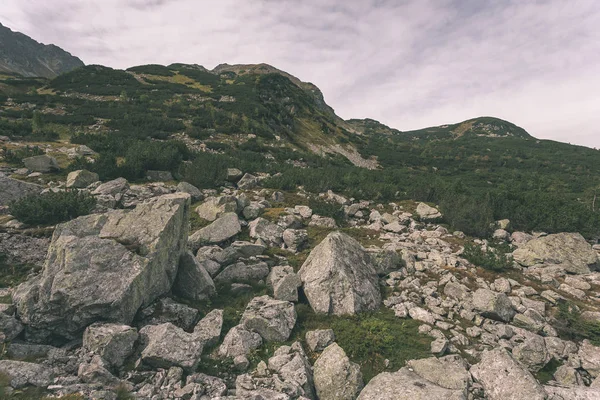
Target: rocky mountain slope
[{"x": 20, "y": 54}]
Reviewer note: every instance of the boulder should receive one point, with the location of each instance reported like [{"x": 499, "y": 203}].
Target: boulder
[
  {"x": 168, "y": 310},
  {"x": 335, "y": 376},
  {"x": 450, "y": 372},
  {"x": 590, "y": 358},
  {"x": 504, "y": 378},
  {"x": 237, "y": 250},
  {"x": 457, "y": 291},
  {"x": 285, "y": 283},
  {"x": 532, "y": 353},
  {"x": 319, "y": 339},
  {"x": 193, "y": 282},
  {"x": 193, "y": 191},
  {"x": 96, "y": 372},
  {"x": 268, "y": 232},
  {"x": 241, "y": 272},
  {"x": 105, "y": 267},
  {"x": 493, "y": 305},
  {"x": 427, "y": 213},
  {"x": 23, "y": 373},
  {"x": 572, "y": 393},
  {"x": 339, "y": 277},
  {"x": 81, "y": 179},
  {"x": 168, "y": 346},
  {"x": 113, "y": 342},
  {"x": 247, "y": 182},
  {"x": 569, "y": 251},
  {"x": 43, "y": 163},
  {"x": 295, "y": 239},
  {"x": 214, "y": 207},
  {"x": 159, "y": 176},
  {"x": 239, "y": 341},
  {"x": 294, "y": 369},
  {"x": 208, "y": 330},
  {"x": 272, "y": 319},
  {"x": 112, "y": 188},
  {"x": 13, "y": 189},
  {"x": 10, "y": 328},
  {"x": 223, "y": 229},
  {"x": 405, "y": 384},
  {"x": 233, "y": 174},
  {"x": 385, "y": 261}
]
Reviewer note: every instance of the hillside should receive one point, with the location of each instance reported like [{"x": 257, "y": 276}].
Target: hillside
[{"x": 19, "y": 54}]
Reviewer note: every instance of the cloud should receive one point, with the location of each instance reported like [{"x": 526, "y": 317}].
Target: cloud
[{"x": 408, "y": 63}]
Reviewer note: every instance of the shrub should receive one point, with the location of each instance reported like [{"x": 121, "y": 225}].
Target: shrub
[
  {"x": 327, "y": 209},
  {"x": 570, "y": 325},
  {"x": 15, "y": 156},
  {"x": 490, "y": 259},
  {"x": 51, "y": 208}
]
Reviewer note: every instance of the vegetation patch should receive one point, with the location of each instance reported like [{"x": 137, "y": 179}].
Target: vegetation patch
[
  {"x": 12, "y": 275},
  {"x": 570, "y": 325},
  {"x": 51, "y": 208},
  {"x": 492, "y": 259}
]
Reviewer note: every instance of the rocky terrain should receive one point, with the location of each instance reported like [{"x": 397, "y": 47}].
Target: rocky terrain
[{"x": 166, "y": 291}]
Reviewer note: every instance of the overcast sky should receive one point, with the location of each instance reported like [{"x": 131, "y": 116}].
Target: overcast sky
[{"x": 407, "y": 63}]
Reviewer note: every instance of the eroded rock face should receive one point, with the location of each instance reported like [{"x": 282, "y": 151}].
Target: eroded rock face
[
  {"x": 335, "y": 376},
  {"x": 504, "y": 378},
  {"x": 104, "y": 267},
  {"x": 339, "y": 277},
  {"x": 566, "y": 250}
]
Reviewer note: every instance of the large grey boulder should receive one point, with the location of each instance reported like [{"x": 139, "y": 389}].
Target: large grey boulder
[
  {"x": 223, "y": 229},
  {"x": 193, "y": 282},
  {"x": 113, "y": 342},
  {"x": 493, "y": 305},
  {"x": 335, "y": 376},
  {"x": 168, "y": 346},
  {"x": 23, "y": 373},
  {"x": 239, "y": 341},
  {"x": 104, "y": 267},
  {"x": 268, "y": 232},
  {"x": 272, "y": 319},
  {"x": 214, "y": 207},
  {"x": 208, "y": 329},
  {"x": 426, "y": 212},
  {"x": 241, "y": 272},
  {"x": 450, "y": 372},
  {"x": 566, "y": 250},
  {"x": 13, "y": 189},
  {"x": 503, "y": 378},
  {"x": 293, "y": 367},
  {"x": 405, "y": 384},
  {"x": 81, "y": 179},
  {"x": 43, "y": 163},
  {"x": 339, "y": 277},
  {"x": 168, "y": 310},
  {"x": 159, "y": 176},
  {"x": 96, "y": 371}
]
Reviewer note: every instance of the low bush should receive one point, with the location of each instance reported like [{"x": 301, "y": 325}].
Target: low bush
[
  {"x": 570, "y": 325},
  {"x": 52, "y": 208},
  {"x": 491, "y": 259}
]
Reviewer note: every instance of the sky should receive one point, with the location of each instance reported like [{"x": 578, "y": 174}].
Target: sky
[{"x": 407, "y": 63}]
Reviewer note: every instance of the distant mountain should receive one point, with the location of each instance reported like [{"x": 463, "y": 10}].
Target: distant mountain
[
  {"x": 20, "y": 54},
  {"x": 483, "y": 127}
]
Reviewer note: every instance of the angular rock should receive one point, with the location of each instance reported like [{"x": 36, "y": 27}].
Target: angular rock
[
  {"x": 193, "y": 282},
  {"x": 168, "y": 346},
  {"x": 113, "y": 342},
  {"x": 285, "y": 283},
  {"x": 239, "y": 341},
  {"x": 43, "y": 163},
  {"x": 590, "y": 358},
  {"x": 10, "y": 327},
  {"x": 319, "y": 339},
  {"x": 247, "y": 182},
  {"x": 335, "y": 376},
  {"x": 159, "y": 176},
  {"x": 295, "y": 239},
  {"x": 223, "y": 229},
  {"x": 339, "y": 278},
  {"x": 112, "y": 188},
  {"x": 105, "y": 267},
  {"x": 572, "y": 393},
  {"x": 233, "y": 174},
  {"x": 23, "y": 373},
  {"x": 241, "y": 272},
  {"x": 81, "y": 179},
  {"x": 193, "y": 191},
  {"x": 294, "y": 369},
  {"x": 406, "y": 385},
  {"x": 386, "y": 261},
  {"x": 493, "y": 305},
  {"x": 426, "y": 212},
  {"x": 504, "y": 378},
  {"x": 532, "y": 353},
  {"x": 96, "y": 372},
  {"x": 566, "y": 250},
  {"x": 272, "y": 319},
  {"x": 456, "y": 290},
  {"x": 208, "y": 330},
  {"x": 214, "y": 207},
  {"x": 13, "y": 189},
  {"x": 168, "y": 310},
  {"x": 267, "y": 231},
  {"x": 449, "y": 372}
]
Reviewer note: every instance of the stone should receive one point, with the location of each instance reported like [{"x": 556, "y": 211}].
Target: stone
[
  {"x": 112, "y": 188},
  {"x": 13, "y": 189},
  {"x": 439, "y": 346},
  {"x": 248, "y": 182},
  {"x": 223, "y": 229},
  {"x": 295, "y": 239},
  {"x": 168, "y": 346},
  {"x": 572, "y": 393},
  {"x": 252, "y": 211},
  {"x": 96, "y": 372},
  {"x": 420, "y": 314},
  {"x": 568, "y": 376},
  {"x": 450, "y": 372},
  {"x": 159, "y": 176},
  {"x": 385, "y": 261},
  {"x": 293, "y": 368},
  {"x": 285, "y": 283},
  {"x": 339, "y": 278},
  {"x": 325, "y": 222},
  {"x": 43, "y": 163},
  {"x": 405, "y": 384},
  {"x": 237, "y": 250},
  {"x": 272, "y": 319},
  {"x": 105, "y": 267},
  {"x": 335, "y": 376},
  {"x": 241, "y": 272},
  {"x": 10, "y": 327},
  {"x": 193, "y": 191},
  {"x": 590, "y": 358},
  {"x": 193, "y": 282},
  {"x": 208, "y": 329},
  {"x": 493, "y": 305},
  {"x": 457, "y": 291},
  {"x": 23, "y": 374},
  {"x": 501, "y": 234},
  {"x": 520, "y": 238},
  {"x": 168, "y": 310},
  {"x": 214, "y": 207},
  {"x": 319, "y": 339},
  {"x": 239, "y": 341},
  {"x": 502, "y": 377},
  {"x": 81, "y": 179},
  {"x": 113, "y": 342},
  {"x": 233, "y": 174},
  {"x": 569, "y": 251},
  {"x": 532, "y": 353},
  {"x": 304, "y": 211},
  {"x": 427, "y": 213},
  {"x": 270, "y": 233}
]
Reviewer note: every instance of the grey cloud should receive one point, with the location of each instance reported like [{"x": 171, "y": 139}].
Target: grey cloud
[{"x": 408, "y": 63}]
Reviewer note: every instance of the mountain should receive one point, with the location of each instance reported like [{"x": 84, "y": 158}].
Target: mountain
[
  {"x": 483, "y": 127},
  {"x": 19, "y": 54}
]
